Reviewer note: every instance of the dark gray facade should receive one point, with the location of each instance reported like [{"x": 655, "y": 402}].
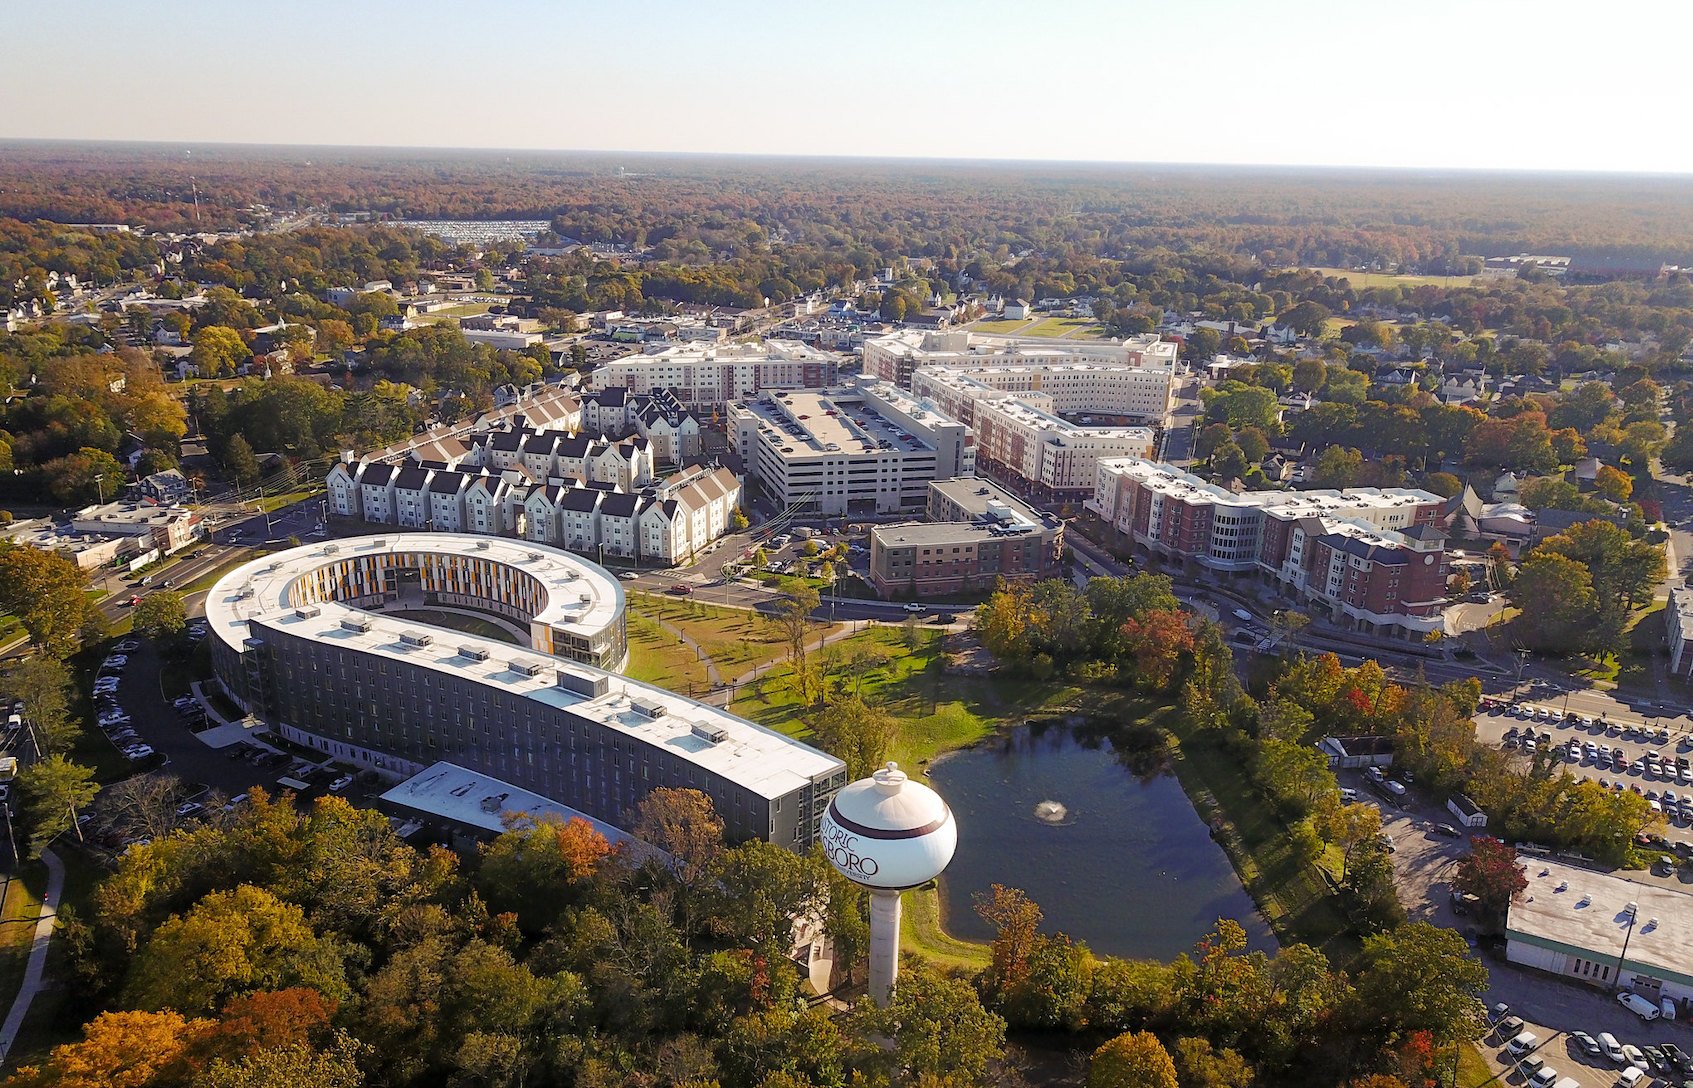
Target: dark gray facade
[{"x": 401, "y": 717}]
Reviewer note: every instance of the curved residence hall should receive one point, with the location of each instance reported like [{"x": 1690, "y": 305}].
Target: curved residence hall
[{"x": 303, "y": 641}]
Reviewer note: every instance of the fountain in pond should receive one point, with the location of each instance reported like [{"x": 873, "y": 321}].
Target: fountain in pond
[{"x": 1051, "y": 812}]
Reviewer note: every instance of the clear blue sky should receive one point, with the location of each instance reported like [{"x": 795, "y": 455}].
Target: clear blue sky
[{"x": 1518, "y": 84}]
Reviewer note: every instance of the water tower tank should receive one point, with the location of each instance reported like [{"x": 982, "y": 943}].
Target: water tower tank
[{"x": 888, "y": 833}]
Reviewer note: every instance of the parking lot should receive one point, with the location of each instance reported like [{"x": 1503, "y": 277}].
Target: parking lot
[
  {"x": 1649, "y": 760},
  {"x": 1566, "y": 1053}
]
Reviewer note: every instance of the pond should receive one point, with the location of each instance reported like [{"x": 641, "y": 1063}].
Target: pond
[{"x": 1104, "y": 840}]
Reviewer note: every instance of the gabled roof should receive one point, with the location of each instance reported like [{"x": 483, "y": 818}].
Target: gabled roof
[
  {"x": 447, "y": 483},
  {"x": 376, "y": 473},
  {"x": 581, "y": 500},
  {"x": 1422, "y": 531},
  {"x": 507, "y": 441},
  {"x": 411, "y": 478},
  {"x": 619, "y": 504},
  {"x": 541, "y": 442}
]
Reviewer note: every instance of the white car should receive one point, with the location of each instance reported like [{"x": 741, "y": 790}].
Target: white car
[
  {"x": 128, "y": 645},
  {"x": 138, "y": 751},
  {"x": 341, "y": 783},
  {"x": 1633, "y": 1056},
  {"x": 1522, "y": 1044},
  {"x": 915, "y": 607}
]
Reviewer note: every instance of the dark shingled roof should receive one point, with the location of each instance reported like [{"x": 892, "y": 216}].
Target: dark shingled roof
[
  {"x": 411, "y": 479},
  {"x": 582, "y": 500},
  {"x": 619, "y": 505}
]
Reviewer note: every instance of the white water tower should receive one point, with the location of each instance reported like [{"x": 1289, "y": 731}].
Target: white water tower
[{"x": 888, "y": 833}]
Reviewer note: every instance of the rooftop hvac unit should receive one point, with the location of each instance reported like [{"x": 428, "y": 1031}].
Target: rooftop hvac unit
[
  {"x": 534, "y": 557},
  {"x": 649, "y": 708},
  {"x": 593, "y": 685},
  {"x": 331, "y": 549},
  {"x": 527, "y": 668},
  {"x": 273, "y": 567},
  {"x": 308, "y": 612},
  {"x": 482, "y": 545},
  {"x": 494, "y": 802},
  {"x": 245, "y": 594},
  {"x": 416, "y": 638},
  {"x": 474, "y": 653},
  {"x": 710, "y": 732},
  {"x": 356, "y": 623},
  {"x": 584, "y": 598}
]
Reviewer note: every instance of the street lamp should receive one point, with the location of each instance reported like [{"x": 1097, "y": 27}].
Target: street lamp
[{"x": 100, "y": 486}]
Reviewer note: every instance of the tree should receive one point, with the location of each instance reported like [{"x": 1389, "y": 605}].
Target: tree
[
  {"x": 140, "y": 807},
  {"x": 1002, "y": 622},
  {"x": 44, "y": 590},
  {"x": 1557, "y": 601},
  {"x": 759, "y": 889},
  {"x": 737, "y": 520},
  {"x": 86, "y": 476},
  {"x": 233, "y": 943},
  {"x": 537, "y": 867},
  {"x": 1228, "y": 461},
  {"x": 938, "y": 1026},
  {"x": 1306, "y": 319},
  {"x": 43, "y": 685},
  {"x": 1016, "y": 922},
  {"x": 54, "y": 791},
  {"x": 1199, "y": 1065},
  {"x": 1309, "y": 375},
  {"x": 1614, "y": 484},
  {"x": 117, "y": 1050},
  {"x": 1338, "y": 466},
  {"x": 1132, "y": 1060},
  {"x": 1253, "y": 444},
  {"x": 161, "y": 615},
  {"x": 860, "y": 734},
  {"x": 682, "y": 823},
  {"x": 1202, "y": 344},
  {"x": 1491, "y": 873},
  {"x": 1421, "y": 977},
  {"x": 291, "y": 1065},
  {"x": 1642, "y": 441},
  {"x": 218, "y": 351},
  {"x": 1352, "y": 827},
  {"x": 1156, "y": 642},
  {"x": 238, "y": 459}
]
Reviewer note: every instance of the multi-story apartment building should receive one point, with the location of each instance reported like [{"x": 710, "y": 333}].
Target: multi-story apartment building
[
  {"x": 864, "y": 449},
  {"x": 1030, "y": 364},
  {"x": 1133, "y": 394},
  {"x": 1044, "y": 454},
  {"x": 978, "y": 533},
  {"x": 1375, "y": 557},
  {"x": 299, "y": 640},
  {"x": 712, "y": 375}
]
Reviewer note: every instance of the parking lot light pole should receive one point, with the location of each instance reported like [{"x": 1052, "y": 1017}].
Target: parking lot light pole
[{"x": 1627, "y": 935}]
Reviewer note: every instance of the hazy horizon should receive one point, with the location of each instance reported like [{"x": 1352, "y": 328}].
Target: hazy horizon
[{"x": 1506, "y": 86}]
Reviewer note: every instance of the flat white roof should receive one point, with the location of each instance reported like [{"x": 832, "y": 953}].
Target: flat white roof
[
  {"x": 480, "y": 800},
  {"x": 1172, "y": 481},
  {"x": 759, "y": 759},
  {"x": 568, "y": 578},
  {"x": 1588, "y": 916}
]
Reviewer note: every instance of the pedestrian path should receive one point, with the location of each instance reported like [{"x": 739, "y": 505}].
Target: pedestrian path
[{"x": 37, "y": 965}]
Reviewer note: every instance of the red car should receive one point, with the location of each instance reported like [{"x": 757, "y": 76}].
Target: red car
[{"x": 681, "y": 590}]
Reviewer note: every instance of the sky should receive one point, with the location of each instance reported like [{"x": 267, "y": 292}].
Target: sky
[{"x": 1483, "y": 84}]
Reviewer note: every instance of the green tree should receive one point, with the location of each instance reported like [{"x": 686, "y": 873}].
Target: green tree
[
  {"x": 1202, "y": 344},
  {"x": 1338, "y": 466},
  {"x": 85, "y": 476},
  {"x": 290, "y": 1066},
  {"x": 1421, "y": 977},
  {"x": 218, "y": 351},
  {"x": 161, "y": 615},
  {"x": 239, "y": 461},
  {"x": 1306, "y": 319},
  {"x": 44, "y": 591},
  {"x": 1642, "y": 441},
  {"x": 1558, "y": 604},
  {"x": 859, "y": 734},
  {"x": 233, "y": 943},
  {"x": 1199, "y": 1065},
  {"x": 43, "y": 684},
  {"x": 1132, "y": 1060},
  {"x": 1228, "y": 461},
  {"x": 759, "y": 889},
  {"x": 938, "y": 1026},
  {"x": 54, "y": 792},
  {"x": 1309, "y": 375}
]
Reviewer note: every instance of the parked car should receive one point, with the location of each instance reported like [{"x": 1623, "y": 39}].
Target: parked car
[
  {"x": 1639, "y": 1006},
  {"x": 1509, "y": 1027},
  {"x": 681, "y": 589},
  {"x": 1613, "y": 1049},
  {"x": 1587, "y": 1044},
  {"x": 341, "y": 783},
  {"x": 913, "y": 606},
  {"x": 1633, "y": 1056},
  {"x": 1449, "y": 831},
  {"x": 1522, "y": 1043}
]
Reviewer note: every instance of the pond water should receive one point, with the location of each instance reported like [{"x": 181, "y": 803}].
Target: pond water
[{"x": 1105, "y": 841}]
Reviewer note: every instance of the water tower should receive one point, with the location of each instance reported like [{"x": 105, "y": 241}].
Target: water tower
[{"x": 888, "y": 833}]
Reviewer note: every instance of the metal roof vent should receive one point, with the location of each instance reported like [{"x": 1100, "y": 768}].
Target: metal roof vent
[
  {"x": 331, "y": 549},
  {"x": 416, "y": 638},
  {"x": 356, "y": 623},
  {"x": 482, "y": 545},
  {"x": 474, "y": 653},
  {"x": 710, "y": 732},
  {"x": 308, "y": 611},
  {"x": 527, "y": 668},
  {"x": 649, "y": 708}
]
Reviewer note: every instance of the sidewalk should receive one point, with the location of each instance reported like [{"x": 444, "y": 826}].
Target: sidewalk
[{"x": 37, "y": 964}]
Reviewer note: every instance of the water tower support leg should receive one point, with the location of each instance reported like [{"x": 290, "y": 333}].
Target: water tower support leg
[{"x": 884, "y": 945}]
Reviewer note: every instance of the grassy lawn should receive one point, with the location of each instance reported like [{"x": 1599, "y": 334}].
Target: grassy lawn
[
  {"x": 657, "y": 657},
  {"x": 272, "y": 503},
  {"x": 922, "y": 933},
  {"x": 1078, "y": 328},
  {"x": 1473, "y": 1070},
  {"x": 1362, "y": 280},
  {"x": 1000, "y": 327},
  {"x": 17, "y": 926},
  {"x": 58, "y": 1011},
  {"x": 1291, "y": 894},
  {"x": 936, "y": 713},
  {"x": 736, "y": 639}
]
